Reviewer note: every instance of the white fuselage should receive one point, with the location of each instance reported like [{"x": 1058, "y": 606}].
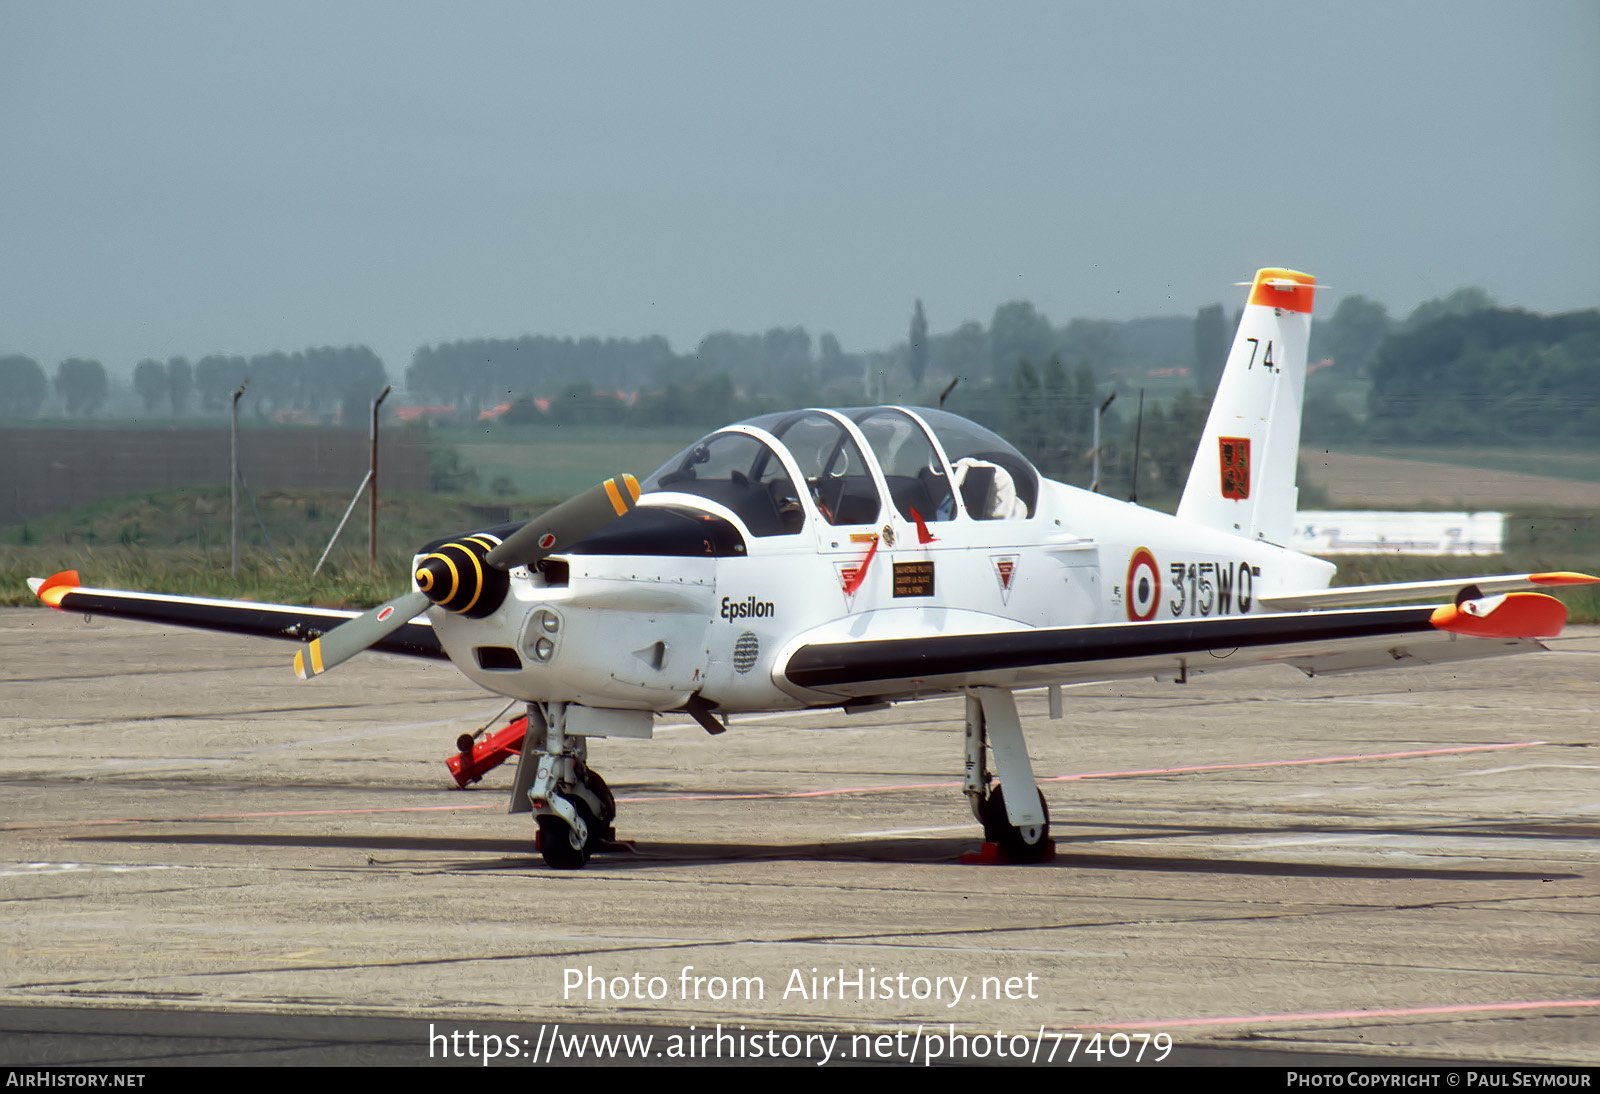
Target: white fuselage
[{"x": 648, "y": 632}]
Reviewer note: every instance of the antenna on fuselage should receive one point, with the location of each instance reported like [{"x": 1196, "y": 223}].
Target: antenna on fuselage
[
  {"x": 1094, "y": 485},
  {"x": 1138, "y": 430},
  {"x": 948, "y": 389}
]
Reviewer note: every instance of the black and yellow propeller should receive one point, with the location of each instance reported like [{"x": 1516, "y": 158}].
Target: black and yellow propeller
[{"x": 468, "y": 576}]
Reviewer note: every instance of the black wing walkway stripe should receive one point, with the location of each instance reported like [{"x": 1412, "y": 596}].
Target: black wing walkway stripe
[{"x": 947, "y": 655}]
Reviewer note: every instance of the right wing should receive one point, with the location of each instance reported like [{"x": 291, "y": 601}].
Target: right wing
[{"x": 286, "y": 621}]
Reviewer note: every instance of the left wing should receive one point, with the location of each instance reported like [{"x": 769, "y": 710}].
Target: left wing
[
  {"x": 286, "y": 621},
  {"x": 1317, "y": 643},
  {"x": 1460, "y": 588}
]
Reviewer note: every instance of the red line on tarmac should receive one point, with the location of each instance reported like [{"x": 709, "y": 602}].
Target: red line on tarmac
[
  {"x": 1294, "y": 763},
  {"x": 1098, "y": 774},
  {"x": 243, "y": 816},
  {"x": 834, "y": 792},
  {"x": 1334, "y": 1015}
]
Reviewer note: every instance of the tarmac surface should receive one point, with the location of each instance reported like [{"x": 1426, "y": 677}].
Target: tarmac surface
[{"x": 204, "y": 860}]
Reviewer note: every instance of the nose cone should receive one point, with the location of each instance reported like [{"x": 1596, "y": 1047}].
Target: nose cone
[{"x": 455, "y": 578}]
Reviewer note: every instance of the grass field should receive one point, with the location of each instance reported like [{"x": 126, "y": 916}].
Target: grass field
[
  {"x": 551, "y": 461},
  {"x": 178, "y": 542}
]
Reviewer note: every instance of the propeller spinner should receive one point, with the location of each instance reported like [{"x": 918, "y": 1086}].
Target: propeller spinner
[{"x": 456, "y": 578}]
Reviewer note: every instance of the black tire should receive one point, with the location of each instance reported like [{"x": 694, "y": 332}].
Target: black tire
[
  {"x": 1019, "y": 844},
  {"x": 608, "y": 801},
  {"x": 555, "y": 839}
]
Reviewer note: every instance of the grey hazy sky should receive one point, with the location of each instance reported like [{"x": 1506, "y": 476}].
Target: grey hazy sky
[{"x": 182, "y": 178}]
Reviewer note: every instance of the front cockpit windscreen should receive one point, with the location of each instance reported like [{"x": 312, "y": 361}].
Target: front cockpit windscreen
[{"x": 738, "y": 471}]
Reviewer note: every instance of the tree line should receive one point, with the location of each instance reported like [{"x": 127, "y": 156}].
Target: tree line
[
  {"x": 1456, "y": 368},
  {"x": 1497, "y": 375},
  {"x": 307, "y": 385}
]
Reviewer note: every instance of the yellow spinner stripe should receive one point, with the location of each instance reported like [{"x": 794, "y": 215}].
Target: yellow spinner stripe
[
  {"x": 455, "y": 578},
  {"x": 316, "y": 657},
  {"x": 633, "y": 486},
  {"x": 478, "y": 589},
  {"x": 300, "y": 664}
]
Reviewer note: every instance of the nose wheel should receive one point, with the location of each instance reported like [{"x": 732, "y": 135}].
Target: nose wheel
[
  {"x": 560, "y": 843},
  {"x": 574, "y": 806}
]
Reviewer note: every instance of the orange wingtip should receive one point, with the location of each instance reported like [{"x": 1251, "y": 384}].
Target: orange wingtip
[
  {"x": 1562, "y": 577},
  {"x": 1514, "y": 615},
  {"x": 56, "y": 587},
  {"x": 1289, "y": 290}
]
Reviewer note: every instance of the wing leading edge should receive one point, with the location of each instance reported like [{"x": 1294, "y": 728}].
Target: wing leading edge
[
  {"x": 284, "y": 621},
  {"x": 1351, "y": 596},
  {"x": 1316, "y": 643}
]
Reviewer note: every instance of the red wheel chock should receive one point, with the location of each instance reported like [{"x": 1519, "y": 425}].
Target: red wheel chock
[{"x": 992, "y": 854}]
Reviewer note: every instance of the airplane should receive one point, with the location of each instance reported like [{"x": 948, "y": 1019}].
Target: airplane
[{"x": 860, "y": 557}]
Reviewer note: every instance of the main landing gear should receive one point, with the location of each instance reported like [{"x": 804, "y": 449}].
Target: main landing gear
[
  {"x": 575, "y": 807},
  {"x": 1015, "y": 830}
]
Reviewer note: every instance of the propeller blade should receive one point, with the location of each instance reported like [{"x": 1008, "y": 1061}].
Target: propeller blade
[
  {"x": 561, "y": 527},
  {"x": 348, "y": 639}
]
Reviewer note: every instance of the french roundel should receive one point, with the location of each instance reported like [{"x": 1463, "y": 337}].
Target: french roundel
[{"x": 1144, "y": 586}]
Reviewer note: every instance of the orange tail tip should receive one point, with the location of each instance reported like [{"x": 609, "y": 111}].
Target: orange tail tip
[
  {"x": 1514, "y": 615},
  {"x": 52, "y": 589},
  {"x": 1289, "y": 290}
]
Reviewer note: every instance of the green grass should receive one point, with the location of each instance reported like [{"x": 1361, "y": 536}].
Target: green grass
[
  {"x": 560, "y": 461},
  {"x": 198, "y": 519},
  {"x": 178, "y": 542},
  {"x": 342, "y": 583}
]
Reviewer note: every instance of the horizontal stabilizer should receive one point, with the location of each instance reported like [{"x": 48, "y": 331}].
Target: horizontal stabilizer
[{"x": 1514, "y": 615}]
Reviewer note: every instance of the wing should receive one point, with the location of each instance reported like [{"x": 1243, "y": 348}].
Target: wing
[
  {"x": 863, "y": 666},
  {"x": 1460, "y": 588},
  {"x": 285, "y": 621}
]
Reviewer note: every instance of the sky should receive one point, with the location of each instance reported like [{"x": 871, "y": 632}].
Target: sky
[{"x": 189, "y": 178}]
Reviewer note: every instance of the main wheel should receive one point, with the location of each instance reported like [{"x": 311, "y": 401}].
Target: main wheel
[
  {"x": 558, "y": 841},
  {"x": 1027, "y": 844}
]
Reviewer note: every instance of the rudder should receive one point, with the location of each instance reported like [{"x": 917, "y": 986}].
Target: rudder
[{"x": 1243, "y": 477}]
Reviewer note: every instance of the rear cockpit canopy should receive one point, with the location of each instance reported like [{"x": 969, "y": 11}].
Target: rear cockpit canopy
[{"x": 850, "y": 467}]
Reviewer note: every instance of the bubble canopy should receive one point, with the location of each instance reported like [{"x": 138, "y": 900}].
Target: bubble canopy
[{"x": 853, "y": 467}]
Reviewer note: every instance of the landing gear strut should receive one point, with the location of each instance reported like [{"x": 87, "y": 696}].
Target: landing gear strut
[
  {"x": 1017, "y": 830},
  {"x": 575, "y": 807}
]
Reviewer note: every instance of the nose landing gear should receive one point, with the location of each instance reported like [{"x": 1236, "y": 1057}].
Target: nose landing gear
[{"x": 575, "y": 807}]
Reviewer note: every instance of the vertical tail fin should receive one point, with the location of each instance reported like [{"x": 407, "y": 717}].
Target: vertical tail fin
[{"x": 1243, "y": 477}]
